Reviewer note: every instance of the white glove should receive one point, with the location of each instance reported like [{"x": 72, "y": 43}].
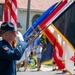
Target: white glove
[{"x": 19, "y": 36}]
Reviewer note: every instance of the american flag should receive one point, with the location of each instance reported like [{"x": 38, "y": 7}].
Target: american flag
[{"x": 10, "y": 12}]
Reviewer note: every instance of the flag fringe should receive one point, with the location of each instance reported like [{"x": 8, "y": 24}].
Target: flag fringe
[
  {"x": 63, "y": 37},
  {"x": 68, "y": 72}
]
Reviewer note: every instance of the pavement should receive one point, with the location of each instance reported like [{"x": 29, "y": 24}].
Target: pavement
[{"x": 43, "y": 68}]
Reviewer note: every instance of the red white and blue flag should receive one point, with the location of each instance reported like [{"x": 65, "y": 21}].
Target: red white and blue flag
[{"x": 10, "y": 12}]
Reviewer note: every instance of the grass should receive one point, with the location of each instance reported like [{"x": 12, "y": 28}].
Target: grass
[{"x": 49, "y": 63}]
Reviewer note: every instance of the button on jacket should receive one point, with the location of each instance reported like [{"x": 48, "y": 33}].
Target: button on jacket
[{"x": 9, "y": 55}]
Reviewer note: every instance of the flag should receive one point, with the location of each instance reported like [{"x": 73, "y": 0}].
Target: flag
[
  {"x": 10, "y": 12},
  {"x": 69, "y": 58},
  {"x": 64, "y": 25},
  {"x": 52, "y": 38},
  {"x": 58, "y": 51},
  {"x": 53, "y": 15},
  {"x": 47, "y": 53},
  {"x": 40, "y": 19}
]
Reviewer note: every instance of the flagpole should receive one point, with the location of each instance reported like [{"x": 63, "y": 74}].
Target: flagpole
[{"x": 28, "y": 14}]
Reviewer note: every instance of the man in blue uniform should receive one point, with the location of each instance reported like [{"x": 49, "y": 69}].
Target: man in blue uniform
[{"x": 9, "y": 54}]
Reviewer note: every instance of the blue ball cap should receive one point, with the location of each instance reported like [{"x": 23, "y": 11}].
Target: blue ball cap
[{"x": 7, "y": 26}]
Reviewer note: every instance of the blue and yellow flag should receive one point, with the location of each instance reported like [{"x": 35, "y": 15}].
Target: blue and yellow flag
[{"x": 47, "y": 53}]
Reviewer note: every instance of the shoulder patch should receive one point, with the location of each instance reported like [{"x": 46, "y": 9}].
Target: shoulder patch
[
  {"x": 20, "y": 46},
  {"x": 5, "y": 47}
]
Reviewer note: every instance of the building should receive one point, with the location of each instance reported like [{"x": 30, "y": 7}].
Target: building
[{"x": 37, "y": 7}]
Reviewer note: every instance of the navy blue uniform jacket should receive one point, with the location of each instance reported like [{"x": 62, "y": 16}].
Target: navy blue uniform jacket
[{"x": 9, "y": 55}]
